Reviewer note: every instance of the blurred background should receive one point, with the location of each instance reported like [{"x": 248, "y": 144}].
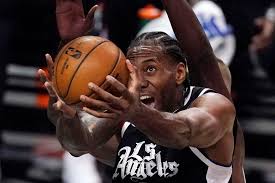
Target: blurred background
[{"x": 29, "y": 151}]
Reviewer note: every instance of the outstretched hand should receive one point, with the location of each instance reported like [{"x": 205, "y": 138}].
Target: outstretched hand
[
  {"x": 56, "y": 105},
  {"x": 119, "y": 108},
  {"x": 71, "y": 20}
]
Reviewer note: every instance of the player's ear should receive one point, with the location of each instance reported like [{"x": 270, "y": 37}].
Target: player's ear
[{"x": 180, "y": 73}]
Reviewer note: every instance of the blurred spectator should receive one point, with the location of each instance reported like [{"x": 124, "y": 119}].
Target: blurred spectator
[
  {"x": 266, "y": 25},
  {"x": 263, "y": 42},
  {"x": 241, "y": 15}
]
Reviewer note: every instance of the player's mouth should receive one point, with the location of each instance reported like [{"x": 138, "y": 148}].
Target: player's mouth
[{"x": 148, "y": 100}]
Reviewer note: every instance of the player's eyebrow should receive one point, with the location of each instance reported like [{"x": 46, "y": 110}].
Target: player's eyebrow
[{"x": 151, "y": 59}]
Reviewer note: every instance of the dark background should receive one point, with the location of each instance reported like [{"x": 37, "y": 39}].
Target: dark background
[{"x": 28, "y": 31}]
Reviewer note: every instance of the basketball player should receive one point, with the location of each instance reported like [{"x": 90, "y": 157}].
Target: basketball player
[
  {"x": 175, "y": 144},
  {"x": 223, "y": 43}
]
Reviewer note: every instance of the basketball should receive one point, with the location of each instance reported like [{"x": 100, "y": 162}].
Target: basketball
[{"x": 87, "y": 59}]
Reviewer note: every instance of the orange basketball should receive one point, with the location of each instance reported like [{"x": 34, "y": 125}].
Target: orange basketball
[{"x": 87, "y": 59}]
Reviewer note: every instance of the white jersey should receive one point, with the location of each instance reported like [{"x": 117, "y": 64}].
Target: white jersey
[{"x": 213, "y": 21}]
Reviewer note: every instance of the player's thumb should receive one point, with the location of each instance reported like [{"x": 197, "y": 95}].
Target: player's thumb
[
  {"x": 134, "y": 83},
  {"x": 50, "y": 89},
  {"x": 90, "y": 16},
  {"x": 68, "y": 112}
]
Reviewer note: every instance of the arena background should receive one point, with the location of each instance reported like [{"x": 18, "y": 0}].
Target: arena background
[{"x": 29, "y": 151}]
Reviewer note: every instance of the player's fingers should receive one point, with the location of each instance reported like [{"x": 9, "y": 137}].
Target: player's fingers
[
  {"x": 50, "y": 89},
  {"x": 58, "y": 4},
  {"x": 106, "y": 96},
  {"x": 42, "y": 76},
  {"x": 56, "y": 106},
  {"x": 68, "y": 112},
  {"x": 89, "y": 20},
  {"x": 134, "y": 83},
  {"x": 121, "y": 88},
  {"x": 91, "y": 13},
  {"x": 99, "y": 114},
  {"x": 96, "y": 104},
  {"x": 116, "y": 102},
  {"x": 130, "y": 67},
  {"x": 50, "y": 65}
]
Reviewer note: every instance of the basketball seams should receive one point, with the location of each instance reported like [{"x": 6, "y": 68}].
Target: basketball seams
[
  {"x": 114, "y": 67},
  {"x": 72, "y": 77},
  {"x": 112, "y": 71},
  {"x": 57, "y": 58}
]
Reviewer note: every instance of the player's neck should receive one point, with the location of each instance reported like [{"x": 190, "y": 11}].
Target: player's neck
[{"x": 179, "y": 99}]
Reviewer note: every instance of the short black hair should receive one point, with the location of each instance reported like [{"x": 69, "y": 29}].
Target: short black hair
[{"x": 169, "y": 45}]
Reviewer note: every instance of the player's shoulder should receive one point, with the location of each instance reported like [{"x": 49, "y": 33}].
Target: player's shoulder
[
  {"x": 218, "y": 105},
  {"x": 202, "y": 93},
  {"x": 208, "y": 7}
]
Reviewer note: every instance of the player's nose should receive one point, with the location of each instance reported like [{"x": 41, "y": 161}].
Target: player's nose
[{"x": 143, "y": 82}]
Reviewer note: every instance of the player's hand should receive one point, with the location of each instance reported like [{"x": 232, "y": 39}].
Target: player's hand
[
  {"x": 56, "y": 106},
  {"x": 110, "y": 106},
  {"x": 71, "y": 21},
  {"x": 265, "y": 37},
  {"x": 47, "y": 79}
]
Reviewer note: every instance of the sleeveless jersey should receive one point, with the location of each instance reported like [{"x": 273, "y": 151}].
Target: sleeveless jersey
[{"x": 141, "y": 160}]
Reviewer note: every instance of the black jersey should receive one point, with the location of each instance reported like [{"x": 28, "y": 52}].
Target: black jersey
[{"x": 141, "y": 160}]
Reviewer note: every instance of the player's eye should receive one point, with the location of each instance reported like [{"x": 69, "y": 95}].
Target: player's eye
[{"x": 151, "y": 69}]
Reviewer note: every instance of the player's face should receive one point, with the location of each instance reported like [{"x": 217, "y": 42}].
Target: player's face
[{"x": 159, "y": 84}]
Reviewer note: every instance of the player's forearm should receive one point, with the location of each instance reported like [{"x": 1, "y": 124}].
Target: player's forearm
[
  {"x": 99, "y": 130},
  {"x": 187, "y": 29},
  {"x": 204, "y": 70},
  {"x": 51, "y": 112},
  {"x": 238, "y": 157},
  {"x": 162, "y": 128},
  {"x": 72, "y": 135},
  {"x": 193, "y": 127},
  {"x": 84, "y": 134}
]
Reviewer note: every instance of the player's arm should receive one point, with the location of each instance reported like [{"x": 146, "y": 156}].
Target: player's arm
[
  {"x": 202, "y": 125},
  {"x": 203, "y": 63},
  {"x": 226, "y": 74},
  {"x": 78, "y": 132},
  {"x": 238, "y": 175},
  {"x": 91, "y": 135},
  {"x": 71, "y": 20}
]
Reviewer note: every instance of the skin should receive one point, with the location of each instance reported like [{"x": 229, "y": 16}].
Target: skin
[
  {"x": 238, "y": 175},
  {"x": 70, "y": 18},
  {"x": 203, "y": 66},
  {"x": 206, "y": 124},
  {"x": 80, "y": 137}
]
